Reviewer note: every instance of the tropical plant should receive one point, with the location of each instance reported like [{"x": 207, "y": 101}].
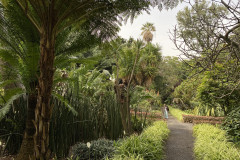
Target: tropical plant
[
  {"x": 20, "y": 67},
  {"x": 147, "y": 30},
  {"x": 232, "y": 126},
  {"x": 50, "y": 19}
]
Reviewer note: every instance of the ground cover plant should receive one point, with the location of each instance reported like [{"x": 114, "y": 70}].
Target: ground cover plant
[
  {"x": 177, "y": 113},
  {"x": 211, "y": 143},
  {"x": 148, "y": 145}
]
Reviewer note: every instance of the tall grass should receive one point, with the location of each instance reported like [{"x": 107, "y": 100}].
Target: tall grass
[
  {"x": 177, "y": 113},
  {"x": 211, "y": 144},
  {"x": 147, "y": 146},
  {"x": 95, "y": 119}
]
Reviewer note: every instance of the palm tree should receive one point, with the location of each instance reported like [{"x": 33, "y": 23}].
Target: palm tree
[{"x": 147, "y": 30}]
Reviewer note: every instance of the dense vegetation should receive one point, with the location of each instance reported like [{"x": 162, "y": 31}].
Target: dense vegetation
[
  {"x": 66, "y": 78},
  {"x": 211, "y": 143}
]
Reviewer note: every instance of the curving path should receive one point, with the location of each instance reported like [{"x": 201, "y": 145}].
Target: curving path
[{"x": 179, "y": 145}]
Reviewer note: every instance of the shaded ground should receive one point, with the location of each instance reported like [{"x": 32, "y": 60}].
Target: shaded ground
[{"x": 179, "y": 145}]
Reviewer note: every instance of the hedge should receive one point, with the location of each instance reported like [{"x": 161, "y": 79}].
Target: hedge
[
  {"x": 147, "y": 146},
  {"x": 211, "y": 144},
  {"x": 202, "y": 119}
]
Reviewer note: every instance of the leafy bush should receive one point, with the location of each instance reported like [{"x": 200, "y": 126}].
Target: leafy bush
[
  {"x": 177, "y": 113},
  {"x": 148, "y": 146},
  {"x": 211, "y": 143},
  {"x": 232, "y": 125},
  {"x": 202, "y": 119},
  {"x": 98, "y": 149}
]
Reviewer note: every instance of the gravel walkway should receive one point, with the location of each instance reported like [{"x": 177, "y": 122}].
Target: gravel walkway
[{"x": 179, "y": 145}]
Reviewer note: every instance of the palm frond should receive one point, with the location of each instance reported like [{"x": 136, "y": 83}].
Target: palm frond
[{"x": 10, "y": 97}]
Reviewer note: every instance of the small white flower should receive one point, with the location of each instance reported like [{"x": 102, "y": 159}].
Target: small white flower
[
  {"x": 124, "y": 132},
  {"x": 88, "y": 144}
]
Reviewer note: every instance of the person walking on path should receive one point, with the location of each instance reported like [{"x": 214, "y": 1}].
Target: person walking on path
[{"x": 166, "y": 109}]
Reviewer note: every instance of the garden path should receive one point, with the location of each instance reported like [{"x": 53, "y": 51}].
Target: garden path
[{"x": 179, "y": 145}]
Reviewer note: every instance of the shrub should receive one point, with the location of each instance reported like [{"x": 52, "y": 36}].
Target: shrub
[
  {"x": 211, "y": 144},
  {"x": 202, "y": 119},
  {"x": 148, "y": 146},
  {"x": 99, "y": 149},
  {"x": 232, "y": 125},
  {"x": 177, "y": 113}
]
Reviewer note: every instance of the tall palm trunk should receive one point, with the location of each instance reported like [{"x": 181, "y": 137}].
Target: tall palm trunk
[
  {"x": 44, "y": 109},
  {"x": 27, "y": 145}
]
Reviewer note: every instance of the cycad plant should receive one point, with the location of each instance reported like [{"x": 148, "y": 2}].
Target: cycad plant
[{"x": 20, "y": 66}]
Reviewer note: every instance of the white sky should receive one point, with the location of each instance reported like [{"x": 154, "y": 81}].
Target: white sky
[{"x": 164, "y": 21}]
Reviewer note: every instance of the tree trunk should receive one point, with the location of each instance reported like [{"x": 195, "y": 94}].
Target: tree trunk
[
  {"x": 44, "y": 109},
  {"x": 26, "y": 150}
]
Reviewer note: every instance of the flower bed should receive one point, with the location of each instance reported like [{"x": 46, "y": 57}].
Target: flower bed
[
  {"x": 202, "y": 119},
  {"x": 211, "y": 144}
]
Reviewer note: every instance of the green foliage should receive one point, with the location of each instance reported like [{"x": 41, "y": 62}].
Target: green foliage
[
  {"x": 147, "y": 57},
  {"x": 143, "y": 99},
  {"x": 232, "y": 125},
  {"x": 98, "y": 149},
  {"x": 214, "y": 91},
  {"x": 177, "y": 113},
  {"x": 13, "y": 125},
  {"x": 139, "y": 123},
  {"x": 148, "y": 145},
  {"x": 217, "y": 92},
  {"x": 10, "y": 97},
  {"x": 171, "y": 71},
  {"x": 185, "y": 93},
  {"x": 91, "y": 94},
  {"x": 211, "y": 143}
]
